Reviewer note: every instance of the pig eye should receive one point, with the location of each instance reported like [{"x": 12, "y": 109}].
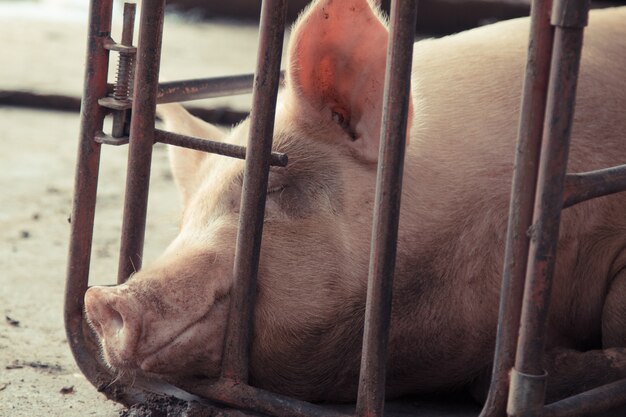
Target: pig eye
[{"x": 275, "y": 189}]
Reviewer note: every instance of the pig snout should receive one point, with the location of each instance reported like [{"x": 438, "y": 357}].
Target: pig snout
[{"x": 117, "y": 326}]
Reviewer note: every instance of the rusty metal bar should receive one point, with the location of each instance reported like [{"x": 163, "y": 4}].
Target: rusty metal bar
[
  {"x": 587, "y": 185},
  {"x": 570, "y": 22},
  {"x": 247, "y": 251},
  {"x": 220, "y": 148},
  {"x": 521, "y": 203},
  {"x": 187, "y": 90},
  {"x": 141, "y": 137},
  {"x": 371, "y": 393},
  {"x": 86, "y": 183},
  {"x": 590, "y": 403},
  {"x": 83, "y": 348},
  {"x": 242, "y": 396}
]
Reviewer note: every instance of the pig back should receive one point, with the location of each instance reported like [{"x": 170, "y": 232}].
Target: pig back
[{"x": 467, "y": 91}]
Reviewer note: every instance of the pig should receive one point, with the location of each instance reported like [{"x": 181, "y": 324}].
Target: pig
[{"x": 170, "y": 317}]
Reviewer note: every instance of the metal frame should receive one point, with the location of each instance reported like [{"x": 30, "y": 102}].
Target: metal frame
[{"x": 541, "y": 189}]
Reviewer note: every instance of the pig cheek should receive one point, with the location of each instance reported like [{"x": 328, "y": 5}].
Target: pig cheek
[{"x": 197, "y": 351}]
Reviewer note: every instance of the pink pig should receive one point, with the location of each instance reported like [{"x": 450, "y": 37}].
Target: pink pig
[{"x": 170, "y": 317}]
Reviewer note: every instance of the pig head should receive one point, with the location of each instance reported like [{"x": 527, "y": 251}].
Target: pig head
[{"x": 170, "y": 317}]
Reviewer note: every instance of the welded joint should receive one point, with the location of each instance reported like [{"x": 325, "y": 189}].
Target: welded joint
[
  {"x": 526, "y": 394},
  {"x": 572, "y": 14}
]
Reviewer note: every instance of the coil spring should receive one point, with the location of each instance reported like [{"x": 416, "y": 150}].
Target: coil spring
[{"x": 123, "y": 88}]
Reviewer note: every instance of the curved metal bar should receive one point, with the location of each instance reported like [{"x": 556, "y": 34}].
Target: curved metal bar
[
  {"x": 85, "y": 189},
  {"x": 590, "y": 403},
  {"x": 243, "y": 396},
  {"x": 79, "y": 336},
  {"x": 521, "y": 203},
  {"x": 587, "y": 185}
]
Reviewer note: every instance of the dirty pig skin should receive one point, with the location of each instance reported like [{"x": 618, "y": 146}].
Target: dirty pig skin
[{"x": 170, "y": 317}]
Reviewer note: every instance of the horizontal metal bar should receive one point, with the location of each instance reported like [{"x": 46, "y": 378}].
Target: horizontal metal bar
[
  {"x": 111, "y": 45},
  {"x": 198, "y": 144},
  {"x": 186, "y": 90},
  {"x": 590, "y": 403},
  {"x": 243, "y": 396},
  {"x": 587, "y": 185},
  {"x": 105, "y": 139},
  {"x": 205, "y": 145},
  {"x": 115, "y": 104}
]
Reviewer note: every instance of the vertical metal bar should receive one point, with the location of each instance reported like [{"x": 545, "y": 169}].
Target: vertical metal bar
[
  {"x": 521, "y": 203},
  {"x": 86, "y": 180},
  {"x": 141, "y": 137},
  {"x": 266, "y": 80},
  {"x": 371, "y": 393},
  {"x": 527, "y": 394},
  {"x": 128, "y": 27}
]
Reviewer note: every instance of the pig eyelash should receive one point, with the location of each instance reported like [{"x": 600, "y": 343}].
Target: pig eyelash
[{"x": 276, "y": 189}]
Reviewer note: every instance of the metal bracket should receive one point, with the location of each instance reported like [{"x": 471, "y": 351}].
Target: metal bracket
[{"x": 526, "y": 391}]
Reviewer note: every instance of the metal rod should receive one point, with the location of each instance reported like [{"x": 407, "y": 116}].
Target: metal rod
[
  {"x": 247, "y": 251},
  {"x": 590, "y": 403},
  {"x": 371, "y": 393},
  {"x": 141, "y": 137},
  {"x": 521, "y": 203},
  {"x": 587, "y": 185},
  {"x": 83, "y": 211},
  {"x": 187, "y": 90},
  {"x": 86, "y": 184},
  {"x": 242, "y": 396},
  {"x": 549, "y": 197},
  {"x": 196, "y": 89},
  {"x": 220, "y": 148}
]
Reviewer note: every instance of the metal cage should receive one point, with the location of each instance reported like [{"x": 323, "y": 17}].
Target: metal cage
[{"x": 541, "y": 189}]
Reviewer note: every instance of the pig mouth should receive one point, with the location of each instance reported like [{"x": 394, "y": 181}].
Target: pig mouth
[{"x": 174, "y": 352}]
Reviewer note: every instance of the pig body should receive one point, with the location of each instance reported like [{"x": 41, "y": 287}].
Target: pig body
[{"x": 170, "y": 317}]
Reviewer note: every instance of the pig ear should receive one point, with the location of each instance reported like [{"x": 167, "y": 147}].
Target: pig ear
[
  {"x": 185, "y": 163},
  {"x": 337, "y": 58}
]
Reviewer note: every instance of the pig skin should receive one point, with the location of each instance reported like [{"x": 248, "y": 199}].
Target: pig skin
[{"x": 170, "y": 316}]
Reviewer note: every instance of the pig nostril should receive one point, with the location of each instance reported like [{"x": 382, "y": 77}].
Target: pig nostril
[{"x": 116, "y": 321}]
